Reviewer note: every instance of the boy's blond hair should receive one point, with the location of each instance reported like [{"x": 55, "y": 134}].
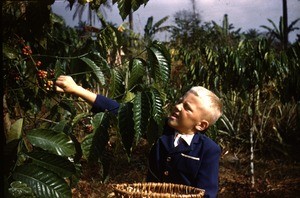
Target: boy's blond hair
[{"x": 215, "y": 108}]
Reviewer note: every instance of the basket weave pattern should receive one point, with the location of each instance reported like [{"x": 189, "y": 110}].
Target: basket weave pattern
[{"x": 156, "y": 190}]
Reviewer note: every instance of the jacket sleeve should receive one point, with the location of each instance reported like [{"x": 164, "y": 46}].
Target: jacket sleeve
[
  {"x": 103, "y": 103},
  {"x": 208, "y": 176}
]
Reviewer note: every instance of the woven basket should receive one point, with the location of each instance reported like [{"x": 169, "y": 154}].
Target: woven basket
[{"x": 156, "y": 190}]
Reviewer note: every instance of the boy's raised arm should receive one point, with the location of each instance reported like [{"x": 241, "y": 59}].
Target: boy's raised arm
[
  {"x": 66, "y": 84},
  {"x": 99, "y": 103}
]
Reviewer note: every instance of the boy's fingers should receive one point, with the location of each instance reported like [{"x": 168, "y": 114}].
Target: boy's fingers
[{"x": 58, "y": 89}]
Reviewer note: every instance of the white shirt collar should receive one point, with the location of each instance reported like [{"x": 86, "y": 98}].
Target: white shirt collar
[{"x": 187, "y": 138}]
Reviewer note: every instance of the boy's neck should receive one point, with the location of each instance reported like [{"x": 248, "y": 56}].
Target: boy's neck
[{"x": 184, "y": 133}]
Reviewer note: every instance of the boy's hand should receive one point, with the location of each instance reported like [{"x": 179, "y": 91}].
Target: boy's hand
[{"x": 66, "y": 84}]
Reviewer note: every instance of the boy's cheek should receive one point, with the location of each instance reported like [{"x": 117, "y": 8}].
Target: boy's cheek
[{"x": 172, "y": 122}]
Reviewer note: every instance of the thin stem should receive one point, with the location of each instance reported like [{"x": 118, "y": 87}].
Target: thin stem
[
  {"x": 44, "y": 119},
  {"x": 61, "y": 57}
]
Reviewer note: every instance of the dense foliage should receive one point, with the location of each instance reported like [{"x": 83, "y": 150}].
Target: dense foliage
[
  {"x": 257, "y": 80},
  {"x": 48, "y": 134}
]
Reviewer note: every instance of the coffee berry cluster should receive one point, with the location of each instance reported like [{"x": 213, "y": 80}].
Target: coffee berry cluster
[{"x": 46, "y": 78}]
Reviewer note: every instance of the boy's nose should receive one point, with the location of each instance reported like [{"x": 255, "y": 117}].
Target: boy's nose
[{"x": 178, "y": 107}]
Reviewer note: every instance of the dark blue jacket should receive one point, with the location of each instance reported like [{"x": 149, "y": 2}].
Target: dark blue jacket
[{"x": 196, "y": 165}]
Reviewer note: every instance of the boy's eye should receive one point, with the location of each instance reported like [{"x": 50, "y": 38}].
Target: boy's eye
[
  {"x": 179, "y": 101},
  {"x": 187, "y": 107}
]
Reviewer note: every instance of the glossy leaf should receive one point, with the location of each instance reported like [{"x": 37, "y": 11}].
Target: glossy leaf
[
  {"x": 159, "y": 60},
  {"x": 101, "y": 124},
  {"x": 156, "y": 120},
  {"x": 52, "y": 141},
  {"x": 96, "y": 69},
  {"x": 43, "y": 182},
  {"x": 68, "y": 105},
  {"x": 94, "y": 144},
  {"x": 116, "y": 86},
  {"x": 20, "y": 189},
  {"x": 15, "y": 131},
  {"x": 60, "y": 165},
  {"x": 60, "y": 126},
  {"x": 157, "y": 105},
  {"x": 136, "y": 74},
  {"x": 59, "y": 69},
  {"x": 141, "y": 114},
  {"x": 86, "y": 145},
  {"x": 9, "y": 52},
  {"x": 78, "y": 117},
  {"x": 127, "y": 6},
  {"x": 126, "y": 126},
  {"x": 99, "y": 60}
]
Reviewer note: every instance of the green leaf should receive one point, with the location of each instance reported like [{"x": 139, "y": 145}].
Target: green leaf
[
  {"x": 116, "y": 83},
  {"x": 68, "y": 105},
  {"x": 141, "y": 114},
  {"x": 101, "y": 125},
  {"x": 227, "y": 124},
  {"x": 60, "y": 165},
  {"x": 60, "y": 126},
  {"x": 159, "y": 60},
  {"x": 99, "y": 60},
  {"x": 87, "y": 145},
  {"x": 156, "y": 121},
  {"x": 157, "y": 105},
  {"x": 126, "y": 6},
  {"x": 59, "y": 69},
  {"x": 20, "y": 189},
  {"x": 94, "y": 144},
  {"x": 99, "y": 74},
  {"x": 126, "y": 126},
  {"x": 151, "y": 29},
  {"x": 15, "y": 131},
  {"x": 136, "y": 74},
  {"x": 9, "y": 52},
  {"x": 148, "y": 26},
  {"x": 129, "y": 96},
  {"x": 78, "y": 118},
  {"x": 43, "y": 182},
  {"x": 52, "y": 141},
  {"x": 156, "y": 26},
  {"x": 57, "y": 19}
]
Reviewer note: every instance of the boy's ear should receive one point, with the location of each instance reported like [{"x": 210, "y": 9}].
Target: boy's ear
[{"x": 202, "y": 125}]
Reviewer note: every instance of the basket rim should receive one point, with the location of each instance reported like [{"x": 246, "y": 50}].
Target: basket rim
[{"x": 189, "y": 190}]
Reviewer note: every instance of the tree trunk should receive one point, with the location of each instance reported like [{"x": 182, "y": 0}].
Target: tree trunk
[
  {"x": 285, "y": 24},
  {"x": 130, "y": 18},
  {"x": 6, "y": 117},
  {"x": 252, "y": 130}
]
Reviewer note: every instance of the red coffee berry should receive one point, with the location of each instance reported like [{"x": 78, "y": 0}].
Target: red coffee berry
[{"x": 38, "y": 63}]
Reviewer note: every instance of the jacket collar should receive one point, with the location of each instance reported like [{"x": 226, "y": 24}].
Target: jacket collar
[{"x": 168, "y": 142}]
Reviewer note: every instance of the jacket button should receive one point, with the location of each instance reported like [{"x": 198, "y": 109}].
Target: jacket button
[
  {"x": 168, "y": 159},
  {"x": 166, "y": 173}
]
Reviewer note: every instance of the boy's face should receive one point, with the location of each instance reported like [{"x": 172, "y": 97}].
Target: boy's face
[{"x": 189, "y": 114}]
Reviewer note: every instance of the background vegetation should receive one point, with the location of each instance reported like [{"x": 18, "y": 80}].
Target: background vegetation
[{"x": 49, "y": 136}]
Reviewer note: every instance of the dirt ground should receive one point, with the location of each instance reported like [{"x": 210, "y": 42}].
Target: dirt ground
[{"x": 273, "y": 178}]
